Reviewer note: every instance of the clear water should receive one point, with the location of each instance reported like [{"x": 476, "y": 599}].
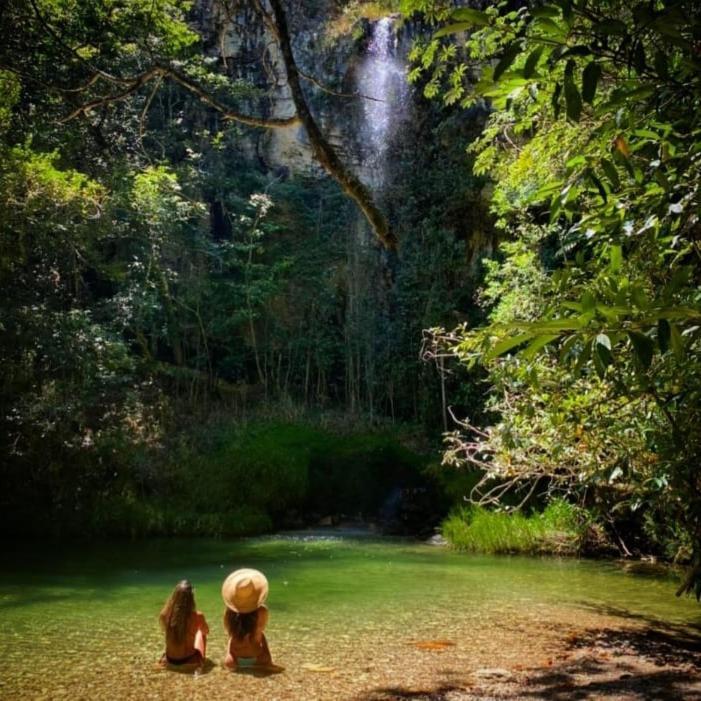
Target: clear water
[{"x": 82, "y": 621}]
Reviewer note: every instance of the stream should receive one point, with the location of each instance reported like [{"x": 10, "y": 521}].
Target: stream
[{"x": 349, "y": 614}]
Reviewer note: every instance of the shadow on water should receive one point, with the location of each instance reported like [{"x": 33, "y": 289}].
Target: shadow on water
[
  {"x": 579, "y": 681},
  {"x": 192, "y": 670},
  {"x": 603, "y": 664},
  {"x": 658, "y": 662},
  {"x": 691, "y": 629},
  {"x": 440, "y": 693}
]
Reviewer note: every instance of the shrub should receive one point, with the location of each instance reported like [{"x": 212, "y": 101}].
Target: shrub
[{"x": 559, "y": 529}]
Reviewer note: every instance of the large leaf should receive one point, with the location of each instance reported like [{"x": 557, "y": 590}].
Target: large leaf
[
  {"x": 611, "y": 173},
  {"x": 546, "y": 11},
  {"x": 643, "y": 347},
  {"x": 509, "y": 56},
  {"x": 506, "y": 345},
  {"x": 573, "y": 100},
  {"x": 452, "y": 29},
  {"x": 615, "y": 258},
  {"x": 663, "y": 334},
  {"x": 602, "y": 354},
  {"x": 555, "y": 100},
  {"x": 590, "y": 79},
  {"x": 473, "y": 17},
  {"x": 610, "y": 26},
  {"x": 537, "y": 344},
  {"x": 532, "y": 62},
  {"x": 676, "y": 341}
]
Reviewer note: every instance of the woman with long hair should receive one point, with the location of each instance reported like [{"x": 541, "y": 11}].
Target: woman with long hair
[
  {"x": 244, "y": 593},
  {"x": 185, "y": 628}
]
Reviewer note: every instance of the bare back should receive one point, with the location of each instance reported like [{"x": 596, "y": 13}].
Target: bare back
[{"x": 186, "y": 647}]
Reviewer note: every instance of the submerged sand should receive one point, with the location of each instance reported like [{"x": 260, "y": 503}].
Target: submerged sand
[{"x": 544, "y": 653}]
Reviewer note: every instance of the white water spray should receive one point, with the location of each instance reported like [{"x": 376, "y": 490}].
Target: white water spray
[{"x": 382, "y": 77}]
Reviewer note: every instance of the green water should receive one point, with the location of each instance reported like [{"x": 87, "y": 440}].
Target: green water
[{"x": 93, "y": 608}]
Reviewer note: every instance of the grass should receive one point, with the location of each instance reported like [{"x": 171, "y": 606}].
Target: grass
[{"x": 559, "y": 529}]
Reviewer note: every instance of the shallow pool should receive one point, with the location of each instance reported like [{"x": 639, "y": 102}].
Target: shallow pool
[{"x": 81, "y": 621}]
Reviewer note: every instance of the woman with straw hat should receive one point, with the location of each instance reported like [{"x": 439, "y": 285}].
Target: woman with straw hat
[{"x": 244, "y": 592}]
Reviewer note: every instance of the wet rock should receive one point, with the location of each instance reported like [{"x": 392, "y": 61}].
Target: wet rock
[{"x": 437, "y": 539}]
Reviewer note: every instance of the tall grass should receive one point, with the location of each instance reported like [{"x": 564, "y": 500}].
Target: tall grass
[{"x": 559, "y": 529}]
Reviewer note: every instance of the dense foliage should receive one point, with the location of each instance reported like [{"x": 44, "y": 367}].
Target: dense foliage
[
  {"x": 593, "y": 349},
  {"x": 156, "y": 271}
]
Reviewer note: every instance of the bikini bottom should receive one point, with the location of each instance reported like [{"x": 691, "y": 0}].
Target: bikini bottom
[{"x": 194, "y": 658}]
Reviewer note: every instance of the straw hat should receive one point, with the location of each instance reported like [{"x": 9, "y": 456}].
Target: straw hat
[{"x": 245, "y": 590}]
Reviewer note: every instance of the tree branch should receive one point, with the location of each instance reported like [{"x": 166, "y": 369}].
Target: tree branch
[
  {"x": 323, "y": 151},
  {"x": 161, "y": 71},
  {"x": 193, "y": 87}
]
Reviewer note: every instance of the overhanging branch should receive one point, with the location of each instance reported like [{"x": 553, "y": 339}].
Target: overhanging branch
[{"x": 323, "y": 151}]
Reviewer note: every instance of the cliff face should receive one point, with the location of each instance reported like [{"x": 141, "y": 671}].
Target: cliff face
[
  {"x": 338, "y": 67},
  {"x": 353, "y": 319}
]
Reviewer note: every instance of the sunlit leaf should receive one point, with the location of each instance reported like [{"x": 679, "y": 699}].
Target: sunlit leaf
[{"x": 471, "y": 16}]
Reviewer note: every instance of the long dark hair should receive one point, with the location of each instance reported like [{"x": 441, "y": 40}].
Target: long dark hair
[
  {"x": 177, "y": 611},
  {"x": 239, "y": 625}
]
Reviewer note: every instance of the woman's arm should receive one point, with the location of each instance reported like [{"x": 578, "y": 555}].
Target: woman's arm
[
  {"x": 261, "y": 622},
  {"x": 202, "y": 623}
]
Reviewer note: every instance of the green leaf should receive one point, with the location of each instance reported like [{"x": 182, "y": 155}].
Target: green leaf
[
  {"x": 588, "y": 302},
  {"x": 509, "y": 56},
  {"x": 537, "y": 344},
  {"x": 506, "y": 345},
  {"x": 643, "y": 347},
  {"x": 598, "y": 184},
  {"x": 602, "y": 359},
  {"x": 663, "y": 334},
  {"x": 611, "y": 173},
  {"x": 615, "y": 258},
  {"x": 610, "y": 26},
  {"x": 573, "y": 100},
  {"x": 550, "y": 28},
  {"x": 452, "y": 29},
  {"x": 590, "y": 79},
  {"x": 555, "y": 100},
  {"x": 661, "y": 65},
  {"x": 639, "y": 58},
  {"x": 474, "y": 17},
  {"x": 603, "y": 340},
  {"x": 640, "y": 298},
  {"x": 583, "y": 356},
  {"x": 546, "y": 11},
  {"x": 567, "y": 346},
  {"x": 567, "y": 324},
  {"x": 676, "y": 341},
  {"x": 532, "y": 62}
]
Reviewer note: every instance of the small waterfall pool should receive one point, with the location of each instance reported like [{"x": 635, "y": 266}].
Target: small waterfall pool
[{"x": 348, "y": 614}]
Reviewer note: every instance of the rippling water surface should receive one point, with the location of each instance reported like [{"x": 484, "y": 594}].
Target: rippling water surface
[{"x": 82, "y": 620}]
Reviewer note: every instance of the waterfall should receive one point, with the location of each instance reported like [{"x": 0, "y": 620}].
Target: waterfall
[{"x": 381, "y": 76}]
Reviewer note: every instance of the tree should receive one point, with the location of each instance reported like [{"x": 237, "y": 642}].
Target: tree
[
  {"x": 109, "y": 52},
  {"x": 594, "y": 144}
]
